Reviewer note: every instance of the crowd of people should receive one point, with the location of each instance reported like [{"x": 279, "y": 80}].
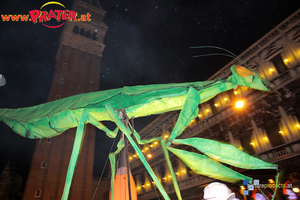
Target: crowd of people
[{"x": 220, "y": 191}]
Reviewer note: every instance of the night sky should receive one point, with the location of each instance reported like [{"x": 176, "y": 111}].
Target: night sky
[{"x": 147, "y": 42}]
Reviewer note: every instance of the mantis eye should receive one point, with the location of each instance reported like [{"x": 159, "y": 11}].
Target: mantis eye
[{"x": 244, "y": 72}]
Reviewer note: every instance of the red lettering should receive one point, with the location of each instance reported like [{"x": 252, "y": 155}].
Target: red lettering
[
  {"x": 51, "y": 15},
  {"x": 58, "y": 14},
  {"x": 5, "y": 18},
  {"x": 88, "y": 17},
  {"x": 83, "y": 18},
  {"x": 43, "y": 17},
  {"x": 14, "y": 17},
  {"x": 72, "y": 15},
  {"x": 34, "y": 14},
  {"x": 24, "y": 17},
  {"x": 64, "y": 15}
]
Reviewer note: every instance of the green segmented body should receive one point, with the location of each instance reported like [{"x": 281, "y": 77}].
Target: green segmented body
[{"x": 52, "y": 118}]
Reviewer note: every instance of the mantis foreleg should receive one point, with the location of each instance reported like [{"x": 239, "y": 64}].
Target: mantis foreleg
[
  {"x": 112, "y": 159},
  {"x": 80, "y": 132},
  {"x": 122, "y": 127}
]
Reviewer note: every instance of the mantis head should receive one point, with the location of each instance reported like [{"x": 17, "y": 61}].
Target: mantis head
[{"x": 249, "y": 78}]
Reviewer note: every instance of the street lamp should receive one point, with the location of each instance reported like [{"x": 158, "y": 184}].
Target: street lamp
[{"x": 239, "y": 104}]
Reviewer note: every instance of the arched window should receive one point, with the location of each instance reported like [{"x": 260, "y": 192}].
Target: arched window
[
  {"x": 274, "y": 136},
  {"x": 38, "y": 193},
  {"x": 61, "y": 81},
  {"x": 88, "y": 34},
  {"x": 94, "y": 37},
  {"x": 82, "y": 32},
  {"x": 279, "y": 64},
  {"x": 44, "y": 165},
  {"x": 65, "y": 65},
  {"x": 75, "y": 29}
]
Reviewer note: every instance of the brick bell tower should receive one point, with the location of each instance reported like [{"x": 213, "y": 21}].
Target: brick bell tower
[{"x": 77, "y": 70}]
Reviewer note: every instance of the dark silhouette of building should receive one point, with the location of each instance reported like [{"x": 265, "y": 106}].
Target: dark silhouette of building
[{"x": 10, "y": 184}]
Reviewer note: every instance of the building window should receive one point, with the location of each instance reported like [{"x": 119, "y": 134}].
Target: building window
[
  {"x": 61, "y": 81},
  {"x": 274, "y": 136},
  {"x": 279, "y": 64},
  {"x": 38, "y": 193},
  {"x": 75, "y": 29},
  {"x": 142, "y": 180},
  {"x": 162, "y": 173},
  {"x": 49, "y": 140},
  {"x": 65, "y": 65},
  {"x": 190, "y": 172},
  {"x": 57, "y": 97},
  {"x": 245, "y": 139},
  {"x": 88, "y": 34},
  {"x": 213, "y": 106},
  {"x": 94, "y": 37},
  {"x": 44, "y": 165},
  {"x": 82, "y": 32}
]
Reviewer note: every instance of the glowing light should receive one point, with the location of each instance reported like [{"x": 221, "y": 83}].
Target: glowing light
[
  {"x": 151, "y": 145},
  {"x": 143, "y": 186},
  {"x": 265, "y": 138},
  {"x": 146, "y": 148},
  {"x": 271, "y": 181},
  {"x": 297, "y": 125},
  {"x": 280, "y": 131},
  {"x": 225, "y": 99},
  {"x": 239, "y": 104},
  {"x": 183, "y": 171},
  {"x": 192, "y": 121},
  {"x": 148, "y": 184},
  {"x": 235, "y": 92},
  {"x": 149, "y": 156},
  {"x": 207, "y": 110},
  {"x": 164, "y": 178},
  {"x": 143, "y": 151},
  {"x": 138, "y": 188},
  {"x": 130, "y": 158},
  {"x": 296, "y": 190},
  {"x": 216, "y": 105},
  {"x": 155, "y": 142},
  {"x": 170, "y": 176},
  {"x": 271, "y": 70},
  {"x": 166, "y": 136},
  {"x": 176, "y": 173},
  {"x": 242, "y": 187},
  {"x": 252, "y": 143},
  {"x": 134, "y": 156},
  {"x": 199, "y": 115},
  {"x": 286, "y": 60}
]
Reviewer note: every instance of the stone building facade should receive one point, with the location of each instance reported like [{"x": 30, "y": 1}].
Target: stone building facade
[{"x": 267, "y": 126}]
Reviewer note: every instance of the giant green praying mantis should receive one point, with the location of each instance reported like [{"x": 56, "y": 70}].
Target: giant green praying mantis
[{"x": 53, "y": 118}]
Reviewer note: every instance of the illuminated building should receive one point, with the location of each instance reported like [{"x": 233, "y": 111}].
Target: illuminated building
[{"x": 266, "y": 124}]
